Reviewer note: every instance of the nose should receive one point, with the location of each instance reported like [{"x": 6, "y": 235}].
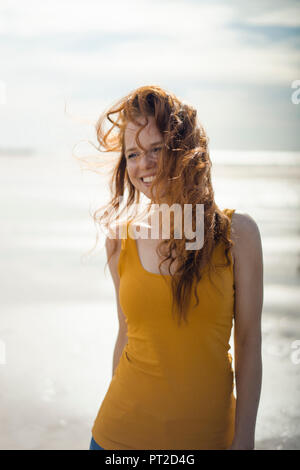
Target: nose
[{"x": 148, "y": 161}]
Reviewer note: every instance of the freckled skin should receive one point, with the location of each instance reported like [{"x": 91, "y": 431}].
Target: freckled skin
[{"x": 140, "y": 163}]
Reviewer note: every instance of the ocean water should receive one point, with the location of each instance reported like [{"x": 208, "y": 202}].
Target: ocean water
[{"x": 58, "y": 315}]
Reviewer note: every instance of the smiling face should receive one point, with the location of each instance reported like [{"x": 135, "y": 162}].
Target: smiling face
[{"x": 142, "y": 164}]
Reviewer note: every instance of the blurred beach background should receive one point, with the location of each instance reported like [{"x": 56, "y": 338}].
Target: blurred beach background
[{"x": 58, "y": 317}]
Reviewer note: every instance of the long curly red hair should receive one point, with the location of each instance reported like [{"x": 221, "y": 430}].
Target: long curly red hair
[{"x": 185, "y": 167}]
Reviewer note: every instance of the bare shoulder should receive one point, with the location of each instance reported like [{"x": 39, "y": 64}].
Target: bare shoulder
[
  {"x": 114, "y": 238},
  {"x": 243, "y": 223},
  {"x": 112, "y": 245},
  {"x": 245, "y": 235}
]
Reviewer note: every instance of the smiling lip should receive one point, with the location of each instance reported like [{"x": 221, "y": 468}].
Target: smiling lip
[{"x": 148, "y": 183}]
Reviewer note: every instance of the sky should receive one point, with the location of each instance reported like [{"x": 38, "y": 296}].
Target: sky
[{"x": 234, "y": 61}]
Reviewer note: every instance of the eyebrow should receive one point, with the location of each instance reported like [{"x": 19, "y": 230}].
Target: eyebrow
[{"x": 135, "y": 148}]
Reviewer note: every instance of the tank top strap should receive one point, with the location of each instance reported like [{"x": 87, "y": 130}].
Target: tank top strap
[
  {"x": 124, "y": 236},
  {"x": 125, "y": 245}
]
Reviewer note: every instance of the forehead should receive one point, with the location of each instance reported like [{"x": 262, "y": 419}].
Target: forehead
[{"x": 150, "y": 132}]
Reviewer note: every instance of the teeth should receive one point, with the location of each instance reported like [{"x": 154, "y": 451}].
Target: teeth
[{"x": 149, "y": 179}]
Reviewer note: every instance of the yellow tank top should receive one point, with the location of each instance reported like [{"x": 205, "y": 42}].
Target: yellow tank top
[{"x": 173, "y": 386}]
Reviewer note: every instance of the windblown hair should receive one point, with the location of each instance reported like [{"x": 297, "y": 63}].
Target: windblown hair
[{"x": 183, "y": 176}]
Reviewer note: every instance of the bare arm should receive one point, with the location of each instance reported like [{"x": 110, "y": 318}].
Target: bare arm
[
  {"x": 248, "y": 274},
  {"x": 122, "y": 334}
]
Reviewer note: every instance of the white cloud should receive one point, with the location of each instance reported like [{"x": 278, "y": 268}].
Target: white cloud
[
  {"x": 198, "y": 42},
  {"x": 32, "y": 18},
  {"x": 290, "y": 17},
  {"x": 231, "y": 62},
  {"x": 282, "y": 13},
  {"x": 176, "y": 44},
  {"x": 267, "y": 12}
]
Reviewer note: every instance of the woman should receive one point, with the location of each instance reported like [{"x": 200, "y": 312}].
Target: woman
[{"x": 172, "y": 384}]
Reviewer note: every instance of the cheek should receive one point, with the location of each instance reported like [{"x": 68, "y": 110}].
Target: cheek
[
  {"x": 132, "y": 171},
  {"x": 131, "y": 176}
]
